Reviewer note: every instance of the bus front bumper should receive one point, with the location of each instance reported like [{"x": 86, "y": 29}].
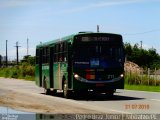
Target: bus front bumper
[{"x": 80, "y": 83}]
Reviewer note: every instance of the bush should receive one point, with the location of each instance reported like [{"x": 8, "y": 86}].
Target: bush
[
  {"x": 15, "y": 72},
  {"x": 7, "y": 72},
  {"x": 136, "y": 79},
  {"x": 24, "y": 71},
  {"x": 29, "y": 77},
  {"x": 27, "y": 70}
]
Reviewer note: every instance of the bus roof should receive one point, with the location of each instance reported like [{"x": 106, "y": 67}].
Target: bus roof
[
  {"x": 69, "y": 38},
  {"x": 52, "y": 42}
]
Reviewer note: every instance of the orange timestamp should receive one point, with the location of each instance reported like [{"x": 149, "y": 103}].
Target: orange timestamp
[{"x": 137, "y": 106}]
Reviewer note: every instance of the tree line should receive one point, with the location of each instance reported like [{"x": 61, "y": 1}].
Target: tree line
[{"x": 144, "y": 58}]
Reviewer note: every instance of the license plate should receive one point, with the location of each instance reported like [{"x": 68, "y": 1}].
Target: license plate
[{"x": 99, "y": 84}]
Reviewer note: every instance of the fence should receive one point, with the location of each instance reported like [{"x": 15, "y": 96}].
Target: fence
[{"x": 148, "y": 77}]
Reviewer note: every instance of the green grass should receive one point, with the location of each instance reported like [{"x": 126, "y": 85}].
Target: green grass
[
  {"x": 24, "y": 71},
  {"x": 143, "y": 88}
]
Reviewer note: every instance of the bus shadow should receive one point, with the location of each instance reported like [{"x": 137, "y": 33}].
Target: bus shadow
[
  {"x": 104, "y": 97},
  {"x": 99, "y": 97}
]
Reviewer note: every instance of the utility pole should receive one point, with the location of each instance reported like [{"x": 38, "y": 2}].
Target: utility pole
[
  {"x": 97, "y": 28},
  {"x": 141, "y": 44},
  {"x": 27, "y": 47},
  {"x": 6, "y": 54},
  {"x": 0, "y": 61},
  {"x": 17, "y": 51}
]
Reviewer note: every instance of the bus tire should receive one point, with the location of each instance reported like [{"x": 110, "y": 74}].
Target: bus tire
[
  {"x": 110, "y": 94},
  {"x": 66, "y": 92},
  {"x": 46, "y": 91},
  {"x": 54, "y": 92}
]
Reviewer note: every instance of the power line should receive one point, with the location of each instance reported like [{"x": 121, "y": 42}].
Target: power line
[{"x": 145, "y": 32}]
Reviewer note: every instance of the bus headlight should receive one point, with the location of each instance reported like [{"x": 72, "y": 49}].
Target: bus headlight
[
  {"x": 76, "y": 76},
  {"x": 121, "y": 75}
]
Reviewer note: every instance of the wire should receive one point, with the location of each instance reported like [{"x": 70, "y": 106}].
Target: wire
[{"x": 155, "y": 30}]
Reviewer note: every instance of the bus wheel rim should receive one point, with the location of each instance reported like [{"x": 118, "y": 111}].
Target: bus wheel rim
[{"x": 65, "y": 90}]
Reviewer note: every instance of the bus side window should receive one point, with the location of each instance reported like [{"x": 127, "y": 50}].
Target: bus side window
[
  {"x": 65, "y": 51},
  {"x": 65, "y": 46},
  {"x": 47, "y": 55},
  {"x": 61, "y": 47},
  {"x": 56, "y": 54},
  {"x": 37, "y": 56},
  {"x": 60, "y": 52},
  {"x": 43, "y": 55},
  {"x": 60, "y": 57}
]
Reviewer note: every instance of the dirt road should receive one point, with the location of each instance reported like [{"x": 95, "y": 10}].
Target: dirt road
[{"x": 26, "y": 96}]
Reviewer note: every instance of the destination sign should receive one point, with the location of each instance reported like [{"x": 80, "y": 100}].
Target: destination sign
[{"x": 87, "y": 39}]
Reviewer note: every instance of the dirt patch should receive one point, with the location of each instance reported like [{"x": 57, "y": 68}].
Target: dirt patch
[{"x": 24, "y": 100}]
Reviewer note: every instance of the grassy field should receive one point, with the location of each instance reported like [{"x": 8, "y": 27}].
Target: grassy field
[
  {"x": 23, "y": 71},
  {"x": 143, "y": 88}
]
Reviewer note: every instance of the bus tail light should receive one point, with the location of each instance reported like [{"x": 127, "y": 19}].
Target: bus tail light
[
  {"x": 90, "y": 74},
  {"x": 90, "y": 77}
]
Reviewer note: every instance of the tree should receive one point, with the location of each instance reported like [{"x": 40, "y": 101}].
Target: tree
[
  {"x": 29, "y": 59},
  {"x": 144, "y": 58}
]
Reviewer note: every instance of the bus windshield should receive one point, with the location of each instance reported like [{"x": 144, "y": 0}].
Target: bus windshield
[{"x": 99, "y": 54}]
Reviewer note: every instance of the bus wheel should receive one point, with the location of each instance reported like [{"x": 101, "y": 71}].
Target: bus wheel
[
  {"x": 66, "y": 93},
  {"x": 47, "y": 91},
  {"x": 53, "y": 92},
  {"x": 110, "y": 93}
]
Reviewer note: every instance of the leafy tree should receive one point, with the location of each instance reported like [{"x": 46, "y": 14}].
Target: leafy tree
[
  {"x": 29, "y": 59},
  {"x": 144, "y": 58}
]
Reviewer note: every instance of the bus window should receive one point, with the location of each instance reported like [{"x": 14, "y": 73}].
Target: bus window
[
  {"x": 45, "y": 55},
  {"x": 37, "y": 56}
]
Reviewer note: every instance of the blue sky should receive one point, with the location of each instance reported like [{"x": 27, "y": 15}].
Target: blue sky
[{"x": 45, "y": 20}]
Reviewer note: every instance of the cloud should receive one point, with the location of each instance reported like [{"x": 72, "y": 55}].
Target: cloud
[
  {"x": 114, "y": 3},
  {"x": 102, "y": 4},
  {"x": 14, "y": 3}
]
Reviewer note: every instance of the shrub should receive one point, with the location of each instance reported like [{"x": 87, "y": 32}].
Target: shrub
[
  {"x": 27, "y": 70},
  {"x": 15, "y": 72},
  {"x": 24, "y": 71},
  {"x": 136, "y": 79}
]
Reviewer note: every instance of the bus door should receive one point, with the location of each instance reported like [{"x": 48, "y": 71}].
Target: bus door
[
  {"x": 51, "y": 63},
  {"x": 70, "y": 60},
  {"x": 40, "y": 67}
]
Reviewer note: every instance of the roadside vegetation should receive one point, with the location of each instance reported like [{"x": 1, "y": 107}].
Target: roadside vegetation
[
  {"x": 143, "y": 88},
  {"x": 145, "y": 79},
  {"x": 142, "y": 57},
  {"x": 137, "y": 79},
  {"x": 142, "y": 83},
  {"x": 25, "y": 69}
]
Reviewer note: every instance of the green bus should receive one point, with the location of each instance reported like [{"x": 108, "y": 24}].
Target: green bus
[{"x": 81, "y": 62}]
